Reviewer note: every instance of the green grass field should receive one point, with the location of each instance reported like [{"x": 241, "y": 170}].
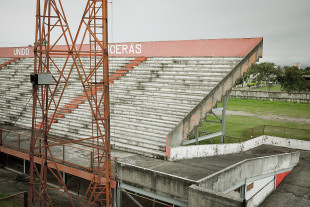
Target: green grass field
[
  {"x": 290, "y": 109},
  {"x": 236, "y": 123}
]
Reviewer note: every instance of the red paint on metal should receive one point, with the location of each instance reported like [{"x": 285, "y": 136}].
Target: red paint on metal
[
  {"x": 238, "y": 47},
  {"x": 117, "y": 74},
  {"x": 71, "y": 106},
  {"x": 64, "y": 168},
  {"x": 94, "y": 22},
  {"x": 280, "y": 177}
]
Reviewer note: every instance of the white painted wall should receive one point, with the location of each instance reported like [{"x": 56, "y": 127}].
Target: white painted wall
[
  {"x": 258, "y": 185},
  {"x": 261, "y": 195},
  {"x": 188, "y": 152}
]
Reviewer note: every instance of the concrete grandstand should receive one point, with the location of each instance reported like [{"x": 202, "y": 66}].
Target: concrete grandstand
[
  {"x": 159, "y": 93},
  {"x": 152, "y": 98}
]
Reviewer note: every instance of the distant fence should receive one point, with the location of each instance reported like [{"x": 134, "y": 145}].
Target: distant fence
[
  {"x": 272, "y": 96},
  {"x": 276, "y": 131}
]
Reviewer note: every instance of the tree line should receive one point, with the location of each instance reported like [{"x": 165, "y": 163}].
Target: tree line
[{"x": 292, "y": 79}]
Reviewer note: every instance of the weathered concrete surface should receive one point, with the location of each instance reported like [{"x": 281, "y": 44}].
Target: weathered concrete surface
[
  {"x": 295, "y": 188},
  {"x": 166, "y": 177},
  {"x": 198, "y": 168},
  {"x": 10, "y": 184},
  {"x": 74, "y": 153},
  {"x": 192, "y": 151},
  {"x": 239, "y": 172},
  {"x": 154, "y": 181},
  {"x": 194, "y": 117},
  {"x": 201, "y": 197}
]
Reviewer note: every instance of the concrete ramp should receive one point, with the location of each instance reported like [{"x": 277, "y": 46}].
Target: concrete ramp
[
  {"x": 252, "y": 180},
  {"x": 243, "y": 179}
]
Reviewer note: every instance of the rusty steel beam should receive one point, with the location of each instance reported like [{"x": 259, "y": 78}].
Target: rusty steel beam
[{"x": 50, "y": 18}]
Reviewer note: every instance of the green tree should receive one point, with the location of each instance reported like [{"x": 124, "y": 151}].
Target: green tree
[
  {"x": 294, "y": 80},
  {"x": 267, "y": 72},
  {"x": 307, "y": 70}
]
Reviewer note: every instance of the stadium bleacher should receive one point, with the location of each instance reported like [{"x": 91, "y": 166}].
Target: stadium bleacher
[{"x": 149, "y": 97}]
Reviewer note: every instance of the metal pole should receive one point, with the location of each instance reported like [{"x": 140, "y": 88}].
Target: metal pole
[
  {"x": 118, "y": 199},
  {"x": 32, "y": 143},
  {"x": 264, "y": 130},
  {"x": 64, "y": 177},
  {"x": 0, "y": 137},
  {"x": 106, "y": 100},
  {"x": 45, "y": 144},
  {"x": 63, "y": 152},
  {"x": 114, "y": 196},
  {"x": 197, "y": 135},
  {"x": 225, "y": 100},
  {"x": 25, "y": 199},
  {"x": 24, "y": 166}
]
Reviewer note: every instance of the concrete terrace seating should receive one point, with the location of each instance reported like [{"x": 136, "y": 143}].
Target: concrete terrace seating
[
  {"x": 16, "y": 89},
  {"x": 146, "y": 104},
  {"x": 150, "y": 101},
  {"x": 3, "y": 60}
]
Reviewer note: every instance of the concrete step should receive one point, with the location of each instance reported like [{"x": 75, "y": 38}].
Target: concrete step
[
  {"x": 136, "y": 149},
  {"x": 136, "y": 142}
]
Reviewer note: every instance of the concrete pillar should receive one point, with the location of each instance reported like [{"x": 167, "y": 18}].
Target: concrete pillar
[
  {"x": 64, "y": 177},
  {"x": 196, "y": 134},
  {"x": 118, "y": 195},
  {"x": 0, "y": 137},
  {"x": 225, "y": 100},
  {"x": 25, "y": 166}
]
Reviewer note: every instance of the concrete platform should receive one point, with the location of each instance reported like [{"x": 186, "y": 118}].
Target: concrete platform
[{"x": 198, "y": 168}]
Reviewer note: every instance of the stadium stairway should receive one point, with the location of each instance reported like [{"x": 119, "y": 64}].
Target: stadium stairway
[{"x": 7, "y": 61}]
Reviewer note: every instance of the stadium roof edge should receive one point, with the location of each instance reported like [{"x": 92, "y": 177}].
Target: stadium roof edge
[{"x": 230, "y": 47}]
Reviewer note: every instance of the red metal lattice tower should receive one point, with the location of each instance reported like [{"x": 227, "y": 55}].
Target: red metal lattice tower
[{"x": 52, "y": 28}]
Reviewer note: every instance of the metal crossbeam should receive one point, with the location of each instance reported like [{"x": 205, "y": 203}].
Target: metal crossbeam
[
  {"x": 132, "y": 198},
  {"x": 220, "y": 121},
  {"x": 152, "y": 195},
  {"x": 209, "y": 136}
]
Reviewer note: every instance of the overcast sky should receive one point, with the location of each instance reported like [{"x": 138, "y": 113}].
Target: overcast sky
[{"x": 284, "y": 24}]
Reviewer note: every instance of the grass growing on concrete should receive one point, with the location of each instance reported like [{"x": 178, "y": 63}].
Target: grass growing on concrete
[{"x": 281, "y": 108}]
